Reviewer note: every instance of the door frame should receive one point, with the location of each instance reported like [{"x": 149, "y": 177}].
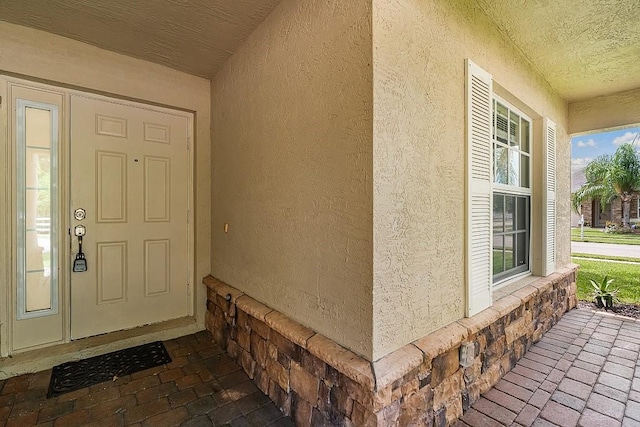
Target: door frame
[
  {"x": 7, "y": 215},
  {"x": 597, "y": 211}
]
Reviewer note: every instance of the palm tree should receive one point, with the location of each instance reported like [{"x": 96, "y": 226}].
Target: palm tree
[{"x": 608, "y": 177}]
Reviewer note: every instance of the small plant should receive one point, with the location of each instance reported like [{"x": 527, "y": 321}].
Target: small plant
[
  {"x": 613, "y": 228},
  {"x": 603, "y": 293}
]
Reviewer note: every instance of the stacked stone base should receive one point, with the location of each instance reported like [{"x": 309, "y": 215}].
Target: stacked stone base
[{"x": 318, "y": 382}]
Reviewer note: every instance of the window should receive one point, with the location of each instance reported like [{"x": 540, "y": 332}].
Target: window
[
  {"x": 37, "y": 258},
  {"x": 498, "y": 192},
  {"x": 511, "y": 136},
  {"x": 510, "y": 235}
]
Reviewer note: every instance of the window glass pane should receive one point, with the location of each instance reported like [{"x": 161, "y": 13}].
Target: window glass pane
[
  {"x": 37, "y": 128},
  {"x": 522, "y": 249},
  {"x": 493, "y": 119},
  {"x": 38, "y": 208},
  {"x": 524, "y": 138},
  {"x": 36, "y": 205},
  {"x": 524, "y": 171},
  {"x": 514, "y": 129},
  {"x": 521, "y": 210},
  {"x": 509, "y": 259},
  {"x": 498, "y": 213},
  {"x": 509, "y": 214},
  {"x": 514, "y": 168},
  {"x": 38, "y": 291},
  {"x": 501, "y": 165},
  {"x": 511, "y": 241},
  {"x": 498, "y": 254},
  {"x": 502, "y": 123}
]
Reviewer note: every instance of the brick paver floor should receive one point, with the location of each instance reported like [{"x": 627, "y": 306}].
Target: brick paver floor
[
  {"x": 583, "y": 372},
  {"x": 202, "y": 386}
]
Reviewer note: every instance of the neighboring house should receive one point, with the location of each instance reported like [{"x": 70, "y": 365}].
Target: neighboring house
[
  {"x": 594, "y": 214},
  {"x": 597, "y": 216},
  {"x": 315, "y": 158}
]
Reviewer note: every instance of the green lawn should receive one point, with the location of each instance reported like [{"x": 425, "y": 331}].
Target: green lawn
[
  {"x": 596, "y": 235},
  {"x": 499, "y": 258},
  {"x": 627, "y": 278}
]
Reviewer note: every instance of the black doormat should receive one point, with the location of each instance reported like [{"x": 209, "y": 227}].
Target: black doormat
[{"x": 72, "y": 376}]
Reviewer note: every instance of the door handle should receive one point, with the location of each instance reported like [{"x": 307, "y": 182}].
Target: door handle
[{"x": 80, "y": 263}]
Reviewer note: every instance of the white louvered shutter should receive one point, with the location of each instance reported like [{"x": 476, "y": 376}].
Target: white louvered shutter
[
  {"x": 479, "y": 198},
  {"x": 550, "y": 197}
]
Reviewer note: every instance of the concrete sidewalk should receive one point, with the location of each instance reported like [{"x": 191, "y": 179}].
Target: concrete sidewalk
[
  {"x": 582, "y": 372},
  {"x": 632, "y": 251}
]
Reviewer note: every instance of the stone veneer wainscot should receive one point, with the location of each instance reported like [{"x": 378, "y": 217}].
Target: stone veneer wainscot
[{"x": 318, "y": 382}]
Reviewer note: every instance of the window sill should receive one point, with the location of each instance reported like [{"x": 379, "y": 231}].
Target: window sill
[{"x": 509, "y": 288}]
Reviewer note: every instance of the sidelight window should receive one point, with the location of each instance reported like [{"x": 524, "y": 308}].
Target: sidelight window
[{"x": 37, "y": 219}]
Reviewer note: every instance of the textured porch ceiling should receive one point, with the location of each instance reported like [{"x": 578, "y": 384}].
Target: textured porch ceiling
[
  {"x": 194, "y": 36},
  {"x": 584, "y": 48}
]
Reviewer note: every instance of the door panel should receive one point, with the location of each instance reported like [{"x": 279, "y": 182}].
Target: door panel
[{"x": 129, "y": 171}]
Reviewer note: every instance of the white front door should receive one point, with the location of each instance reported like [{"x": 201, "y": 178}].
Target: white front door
[{"x": 130, "y": 175}]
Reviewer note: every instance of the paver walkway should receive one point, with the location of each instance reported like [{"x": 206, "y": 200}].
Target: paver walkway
[
  {"x": 584, "y": 372},
  {"x": 202, "y": 386}
]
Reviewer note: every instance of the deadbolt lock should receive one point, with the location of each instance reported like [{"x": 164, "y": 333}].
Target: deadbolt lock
[{"x": 79, "y": 214}]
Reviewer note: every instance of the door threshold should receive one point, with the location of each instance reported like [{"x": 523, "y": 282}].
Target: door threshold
[{"x": 46, "y": 358}]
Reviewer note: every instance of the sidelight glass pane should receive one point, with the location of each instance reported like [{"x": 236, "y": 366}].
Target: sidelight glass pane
[
  {"x": 38, "y": 291},
  {"x": 38, "y": 127},
  {"x": 37, "y": 206}
]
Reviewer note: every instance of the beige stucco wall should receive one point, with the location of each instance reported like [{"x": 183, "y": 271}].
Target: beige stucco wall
[
  {"x": 38, "y": 55},
  {"x": 605, "y": 112},
  {"x": 419, "y": 56},
  {"x": 292, "y": 158}
]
